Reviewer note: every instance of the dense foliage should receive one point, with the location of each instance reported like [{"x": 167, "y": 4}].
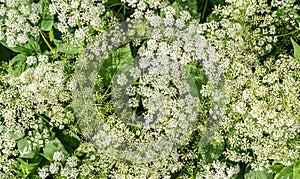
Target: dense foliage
[{"x": 233, "y": 114}]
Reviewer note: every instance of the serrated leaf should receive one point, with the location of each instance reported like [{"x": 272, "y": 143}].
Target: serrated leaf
[
  {"x": 17, "y": 65},
  {"x": 296, "y": 50}
]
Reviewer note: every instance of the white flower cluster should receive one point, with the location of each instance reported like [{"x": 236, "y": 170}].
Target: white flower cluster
[
  {"x": 262, "y": 94},
  {"x": 143, "y": 8},
  {"x": 19, "y": 20},
  {"x": 256, "y": 22},
  {"x": 38, "y": 90},
  {"x": 171, "y": 111},
  {"x": 80, "y": 15},
  {"x": 265, "y": 112},
  {"x": 217, "y": 170}
]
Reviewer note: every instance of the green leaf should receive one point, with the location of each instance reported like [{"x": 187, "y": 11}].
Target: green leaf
[
  {"x": 54, "y": 146},
  {"x": 114, "y": 62},
  {"x": 70, "y": 140},
  {"x": 286, "y": 172},
  {"x": 17, "y": 65},
  {"x": 296, "y": 170},
  {"x": 296, "y": 50},
  {"x": 19, "y": 49},
  {"x": 34, "y": 46},
  {"x": 30, "y": 48},
  {"x": 212, "y": 17},
  {"x": 212, "y": 151},
  {"x": 276, "y": 167},
  {"x": 27, "y": 150},
  {"x": 47, "y": 22},
  {"x": 14, "y": 136},
  {"x": 49, "y": 158},
  {"x": 259, "y": 175},
  {"x": 66, "y": 48},
  {"x": 20, "y": 174}
]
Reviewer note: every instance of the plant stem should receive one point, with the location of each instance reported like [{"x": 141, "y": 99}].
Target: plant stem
[
  {"x": 204, "y": 10},
  {"x": 290, "y": 33},
  {"x": 45, "y": 40}
]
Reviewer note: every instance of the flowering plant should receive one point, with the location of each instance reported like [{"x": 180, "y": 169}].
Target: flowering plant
[{"x": 149, "y": 89}]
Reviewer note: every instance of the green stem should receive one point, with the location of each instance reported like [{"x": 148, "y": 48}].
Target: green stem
[
  {"x": 116, "y": 4},
  {"x": 45, "y": 40},
  {"x": 290, "y": 33},
  {"x": 41, "y": 117},
  {"x": 204, "y": 10},
  {"x": 99, "y": 30}
]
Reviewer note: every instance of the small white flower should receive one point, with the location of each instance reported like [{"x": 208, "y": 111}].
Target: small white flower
[
  {"x": 31, "y": 60},
  {"x": 80, "y": 34},
  {"x": 54, "y": 168},
  {"x": 135, "y": 72},
  {"x": 43, "y": 58},
  {"x": 71, "y": 161},
  {"x": 122, "y": 79},
  {"x": 58, "y": 156},
  {"x": 43, "y": 173}
]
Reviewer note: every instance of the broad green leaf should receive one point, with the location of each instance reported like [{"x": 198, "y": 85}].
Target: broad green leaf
[
  {"x": 70, "y": 140},
  {"x": 296, "y": 50},
  {"x": 114, "y": 62},
  {"x": 19, "y": 49},
  {"x": 276, "y": 167},
  {"x": 296, "y": 170},
  {"x": 259, "y": 175},
  {"x": 34, "y": 46},
  {"x": 47, "y": 19},
  {"x": 47, "y": 22},
  {"x": 52, "y": 146},
  {"x": 197, "y": 74},
  {"x": 27, "y": 150},
  {"x": 212, "y": 151},
  {"x": 212, "y": 17},
  {"x": 30, "y": 48},
  {"x": 286, "y": 172},
  {"x": 17, "y": 65},
  {"x": 66, "y": 48},
  {"x": 14, "y": 136}
]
